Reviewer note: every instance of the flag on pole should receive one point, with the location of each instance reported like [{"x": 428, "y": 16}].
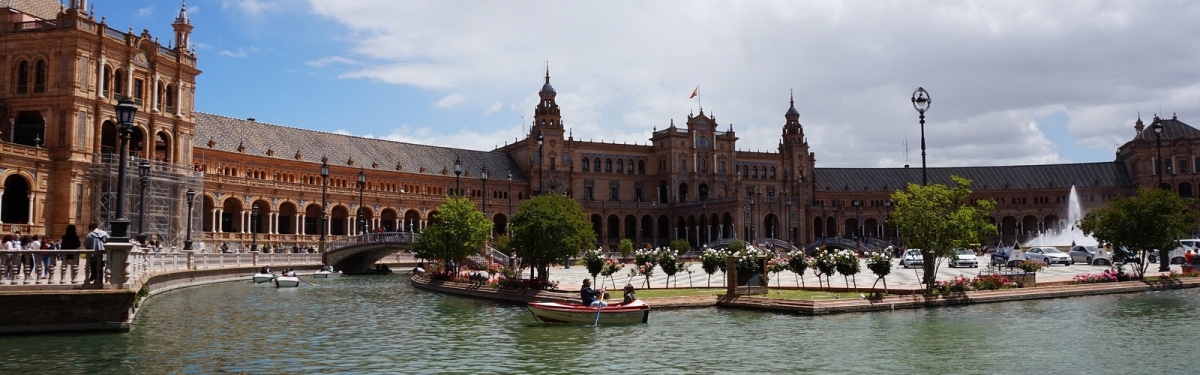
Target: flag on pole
[{"x": 695, "y": 92}]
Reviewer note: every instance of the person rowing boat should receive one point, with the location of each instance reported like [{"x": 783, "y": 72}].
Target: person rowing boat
[{"x": 591, "y": 297}]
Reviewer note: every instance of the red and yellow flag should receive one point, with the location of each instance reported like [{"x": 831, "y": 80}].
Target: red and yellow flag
[{"x": 695, "y": 92}]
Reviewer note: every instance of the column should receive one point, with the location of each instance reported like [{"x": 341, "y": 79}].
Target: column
[
  {"x": 300, "y": 224},
  {"x": 100, "y": 84},
  {"x": 274, "y": 223},
  {"x": 396, "y": 225},
  {"x": 217, "y": 215},
  {"x": 1, "y": 203},
  {"x": 32, "y": 198}
]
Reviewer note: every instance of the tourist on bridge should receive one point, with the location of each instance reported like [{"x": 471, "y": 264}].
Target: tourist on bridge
[
  {"x": 70, "y": 241},
  {"x": 95, "y": 241}
]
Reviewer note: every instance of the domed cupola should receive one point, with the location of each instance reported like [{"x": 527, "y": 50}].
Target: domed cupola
[
  {"x": 547, "y": 90},
  {"x": 792, "y": 114}
]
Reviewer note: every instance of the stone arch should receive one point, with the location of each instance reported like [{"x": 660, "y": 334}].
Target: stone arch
[
  {"x": 108, "y": 137},
  {"x": 312, "y": 218},
  {"x": 338, "y": 217},
  {"x": 630, "y": 227},
  {"x": 727, "y": 225},
  {"x": 499, "y": 224},
  {"x": 871, "y": 228},
  {"x": 664, "y": 229},
  {"x": 680, "y": 229},
  {"x": 389, "y": 219},
  {"x": 412, "y": 221},
  {"x": 207, "y": 204},
  {"x": 598, "y": 226},
  {"x": 1185, "y": 189},
  {"x": 162, "y": 147},
  {"x": 15, "y": 202},
  {"x": 1008, "y": 226},
  {"x": 771, "y": 226},
  {"x": 261, "y": 223},
  {"x": 647, "y": 227},
  {"x": 851, "y": 227},
  {"x": 231, "y": 215},
  {"x": 683, "y": 192},
  {"x": 819, "y": 227},
  {"x": 613, "y": 227},
  {"x": 286, "y": 220},
  {"x": 831, "y": 227},
  {"x": 1029, "y": 224}
]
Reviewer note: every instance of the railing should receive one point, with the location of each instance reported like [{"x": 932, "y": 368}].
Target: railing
[
  {"x": 42, "y": 267},
  {"x": 779, "y": 243},
  {"x": 372, "y": 238}
]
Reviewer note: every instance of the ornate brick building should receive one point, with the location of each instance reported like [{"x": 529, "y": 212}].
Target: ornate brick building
[{"x": 64, "y": 71}]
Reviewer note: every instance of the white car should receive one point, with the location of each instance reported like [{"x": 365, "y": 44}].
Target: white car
[
  {"x": 1048, "y": 255},
  {"x": 964, "y": 258},
  {"x": 912, "y": 257}
]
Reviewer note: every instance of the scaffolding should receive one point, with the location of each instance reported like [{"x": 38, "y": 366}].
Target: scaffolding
[{"x": 165, "y": 201}]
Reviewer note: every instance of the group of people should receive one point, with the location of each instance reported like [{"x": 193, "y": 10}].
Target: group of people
[
  {"x": 289, "y": 272},
  {"x": 596, "y": 297},
  {"x": 70, "y": 240}
]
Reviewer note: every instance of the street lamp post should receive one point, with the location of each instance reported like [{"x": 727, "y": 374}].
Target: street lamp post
[
  {"x": 857, "y": 222},
  {"x": 362, "y": 187},
  {"x": 324, "y": 201},
  {"x": 705, "y": 225},
  {"x": 484, "y": 176},
  {"x": 458, "y": 171},
  {"x": 253, "y": 227},
  {"x": 752, "y": 218},
  {"x": 508, "y": 222},
  {"x": 788, "y": 214},
  {"x": 921, "y": 102},
  {"x": 126, "y": 110},
  {"x": 1158, "y": 129},
  {"x": 541, "y": 180},
  {"x": 187, "y": 242},
  {"x": 887, "y": 205},
  {"x": 144, "y": 173}
]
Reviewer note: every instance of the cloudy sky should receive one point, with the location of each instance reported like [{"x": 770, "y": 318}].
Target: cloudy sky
[{"x": 1012, "y": 82}]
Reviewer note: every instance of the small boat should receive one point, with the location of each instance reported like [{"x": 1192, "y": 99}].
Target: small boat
[
  {"x": 555, "y": 312},
  {"x": 263, "y": 277},
  {"x": 326, "y": 274},
  {"x": 287, "y": 282}
]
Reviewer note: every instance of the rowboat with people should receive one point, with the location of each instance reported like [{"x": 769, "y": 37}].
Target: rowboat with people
[
  {"x": 262, "y": 277},
  {"x": 556, "y": 312},
  {"x": 287, "y": 282}
]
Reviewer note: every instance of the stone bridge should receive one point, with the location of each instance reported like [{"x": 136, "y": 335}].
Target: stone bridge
[{"x": 356, "y": 254}]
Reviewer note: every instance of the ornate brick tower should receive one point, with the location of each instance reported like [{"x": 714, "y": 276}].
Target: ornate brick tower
[
  {"x": 798, "y": 164},
  {"x": 60, "y": 132}
]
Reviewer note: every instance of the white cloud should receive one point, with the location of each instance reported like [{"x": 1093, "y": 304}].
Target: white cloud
[
  {"x": 251, "y": 8},
  {"x": 240, "y": 53},
  {"x": 451, "y": 101},
  {"x": 145, "y": 12},
  {"x": 326, "y": 61},
  {"x": 622, "y": 68}
]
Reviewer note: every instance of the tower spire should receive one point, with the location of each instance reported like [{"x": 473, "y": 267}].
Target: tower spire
[{"x": 183, "y": 28}]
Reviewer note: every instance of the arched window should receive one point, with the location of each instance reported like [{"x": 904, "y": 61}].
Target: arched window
[
  {"x": 39, "y": 78},
  {"x": 119, "y": 83},
  {"x": 596, "y": 164},
  {"x": 745, "y": 172},
  {"x": 170, "y": 98},
  {"x": 23, "y": 77},
  {"x": 772, "y": 173},
  {"x": 754, "y": 172},
  {"x": 586, "y": 165},
  {"x": 608, "y": 165},
  {"x": 620, "y": 166},
  {"x": 641, "y": 167}
]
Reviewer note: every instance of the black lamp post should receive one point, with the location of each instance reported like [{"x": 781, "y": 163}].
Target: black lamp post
[
  {"x": 458, "y": 171},
  {"x": 788, "y": 214},
  {"x": 324, "y": 200},
  {"x": 921, "y": 102},
  {"x": 253, "y": 227},
  {"x": 484, "y": 176},
  {"x": 887, "y": 205},
  {"x": 857, "y": 222},
  {"x": 752, "y": 218},
  {"x": 187, "y": 242},
  {"x": 362, "y": 186},
  {"x": 144, "y": 173},
  {"x": 510, "y": 196},
  {"x": 541, "y": 181},
  {"x": 1158, "y": 129},
  {"x": 125, "y": 113}
]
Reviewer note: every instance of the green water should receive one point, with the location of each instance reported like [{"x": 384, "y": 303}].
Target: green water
[{"x": 380, "y": 324}]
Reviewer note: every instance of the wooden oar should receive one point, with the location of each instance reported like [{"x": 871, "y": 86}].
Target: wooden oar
[
  {"x": 598, "y": 308},
  {"x": 305, "y": 281}
]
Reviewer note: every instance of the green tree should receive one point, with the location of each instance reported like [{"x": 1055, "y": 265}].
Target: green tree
[
  {"x": 680, "y": 246},
  {"x": 625, "y": 247},
  {"x": 938, "y": 218},
  {"x": 1153, "y": 219},
  {"x": 460, "y": 232},
  {"x": 547, "y": 229}
]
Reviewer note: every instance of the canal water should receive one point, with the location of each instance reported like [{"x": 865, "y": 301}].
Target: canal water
[{"x": 381, "y": 324}]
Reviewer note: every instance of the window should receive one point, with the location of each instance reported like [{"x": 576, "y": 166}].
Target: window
[
  {"x": 23, "y": 77},
  {"x": 608, "y": 165},
  {"x": 629, "y": 166},
  {"x": 703, "y": 165},
  {"x": 754, "y": 172},
  {"x": 1183, "y": 166},
  {"x": 637, "y": 194},
  {"x": 772, "y": 173},
  {"x": 138, "y": 91},
  {"x": 1167, "y": 166},
  {"x": 588, "y": 193},
  {"x": 614, "y": 193},
  {"x": 39, "y": 79},
  {"x": 722, "y": 170},
  {"x": 119, "y": 83},
  {"x": 552, "y": 164},
  {"x": 596, "y": 164},
  {"x": 586, "y": 165},
  {"x": 641, "y": 167},
  {"x": 620, "y": 166}
]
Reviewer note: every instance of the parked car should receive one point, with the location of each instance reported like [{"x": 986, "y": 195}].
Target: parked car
[
  {"x": 964, "y": 258},
  {"x": 912, "y": 257},
  {"x": 1048, "y": 255},
  {"x": 1122, "y": 255},
  {"x": 1082, "y": 254},
  {"x": 1176, "y": 256},
  {"x": 1000, "y": 257}
]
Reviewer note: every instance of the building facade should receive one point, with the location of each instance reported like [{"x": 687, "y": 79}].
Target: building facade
[{"x": 282, "y": 186}]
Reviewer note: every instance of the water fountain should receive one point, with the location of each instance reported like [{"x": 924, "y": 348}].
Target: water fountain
[{"x": 1068, "y": 231}]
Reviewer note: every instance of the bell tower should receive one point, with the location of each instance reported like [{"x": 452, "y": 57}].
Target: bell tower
[
  {"x": 546, "y": 142},
  {"x": 183, "y": 29}
]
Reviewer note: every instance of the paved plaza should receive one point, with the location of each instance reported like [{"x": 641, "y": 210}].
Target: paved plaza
[{"x": 571, "y": 278}]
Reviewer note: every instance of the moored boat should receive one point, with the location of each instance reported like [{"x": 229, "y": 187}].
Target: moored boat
[
  {"x": 326, "y": 274},
  {"x": 262, "y": 277},
  {"x": 287, "y": 282},
  {"x": 555, "y": 312}
]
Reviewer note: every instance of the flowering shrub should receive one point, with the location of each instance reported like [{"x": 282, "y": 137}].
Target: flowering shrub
[
  {"x": 992, "y": 282},
  {"x": 644, "y": 256},
  {"x": 847, "y": 265},
  {"x": 496, "y": 268},
  {"x": 747, "y": 262},
  {"x": 824, "y": 263},
  {"x": 516, "y": 282},
  {"x": 1107, "y": 276},
  {"x": 713, "y": 260},
  {"x": 958, "y": 284},
  {"x": 797, "y": 262},
  {"x": 669, "y": 262},
  {"x": 1031, "y": 266},
  {"x": 611, "y": 267},
  {"x": 776, "y": 265},
  {"x": 880, "y": 263},
  {"x": 594, "y": 260}
]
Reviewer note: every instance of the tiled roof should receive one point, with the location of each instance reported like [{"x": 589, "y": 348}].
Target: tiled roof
[
  {"x": 1172, "y": 129},
  {"x": 44, "y": 9},
  {"x": 227, "y": 133},
  {"x": 1017, "y": 177}
]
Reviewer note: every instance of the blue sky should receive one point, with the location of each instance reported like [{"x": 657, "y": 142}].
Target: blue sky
[{"x": 1012, "y": 82}]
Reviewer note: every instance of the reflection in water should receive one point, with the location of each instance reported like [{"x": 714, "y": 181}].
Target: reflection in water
[{"x": 380, "y": 324}]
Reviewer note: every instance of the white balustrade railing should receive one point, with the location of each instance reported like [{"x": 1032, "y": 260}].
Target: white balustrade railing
[{"x": 42, "y": 267}]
